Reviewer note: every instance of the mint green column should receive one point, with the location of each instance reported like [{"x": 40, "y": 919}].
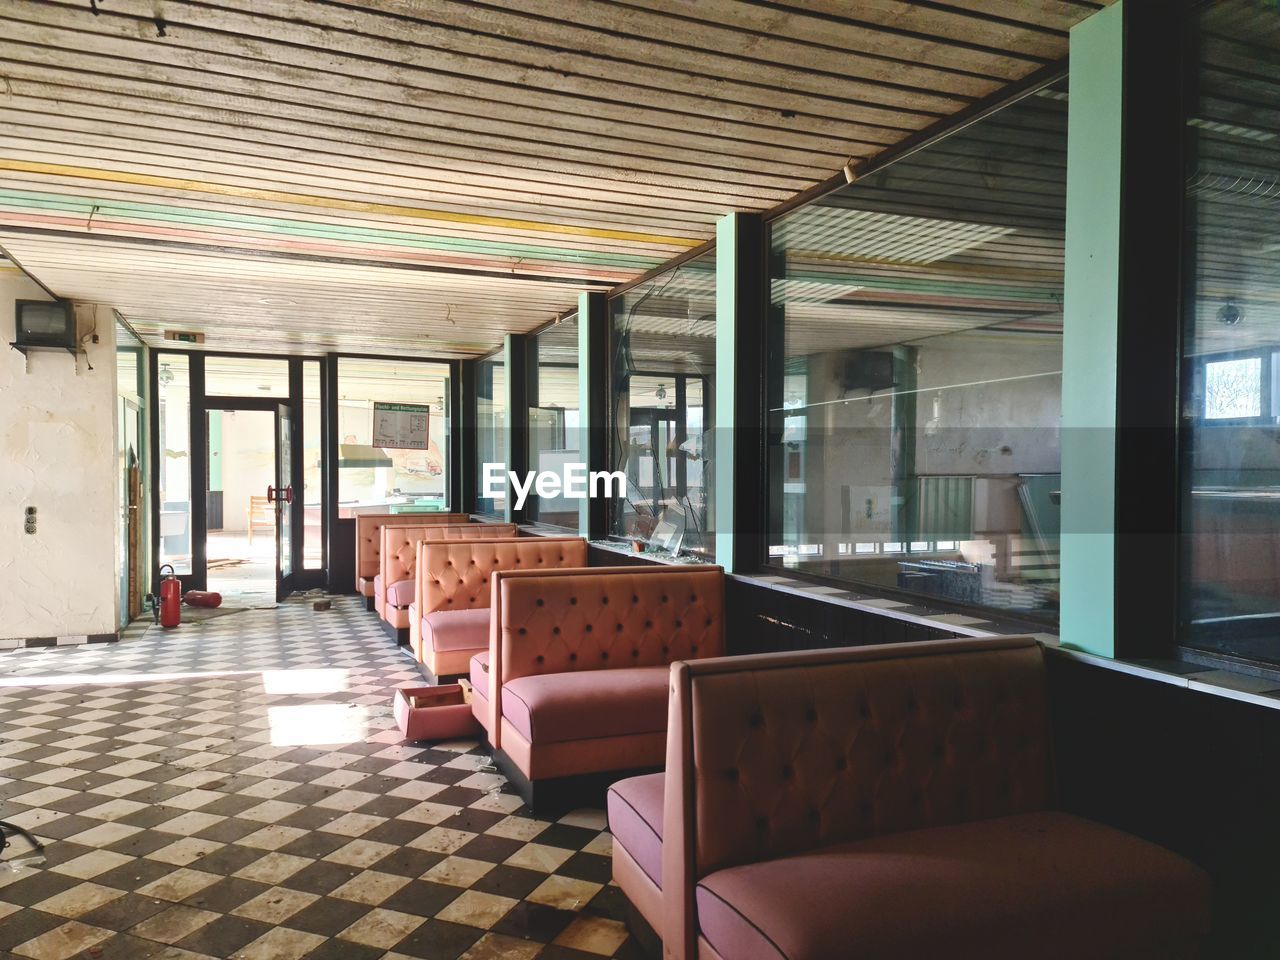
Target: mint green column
[
  {"x": 742, "y": 300},
  {"x": 726, "y": 356},
  {"x": 1089, "y": 348}
]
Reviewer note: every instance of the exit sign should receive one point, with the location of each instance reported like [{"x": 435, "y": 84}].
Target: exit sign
[{"x": 184, "y": 336}]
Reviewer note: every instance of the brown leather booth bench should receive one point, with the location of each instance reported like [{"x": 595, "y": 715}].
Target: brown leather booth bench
[
  {"x": 393, "y": 588},
  {"x": 369, "y": 542},
  {"x": 449, "y": 618},
  {"x": 574, "y": 683},
  {"x": 884, "y": 802}
]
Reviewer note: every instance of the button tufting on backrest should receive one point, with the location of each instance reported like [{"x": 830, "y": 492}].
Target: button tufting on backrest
[{"x": 844, "y": 750}]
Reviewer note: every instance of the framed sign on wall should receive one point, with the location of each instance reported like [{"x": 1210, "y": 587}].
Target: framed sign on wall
[{"x": 404, "y": 426}]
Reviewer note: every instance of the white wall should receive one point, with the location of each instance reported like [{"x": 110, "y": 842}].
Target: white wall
[{"x": 57, "y": 453}]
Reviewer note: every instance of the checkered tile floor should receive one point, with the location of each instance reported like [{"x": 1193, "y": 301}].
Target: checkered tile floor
[{"x": 237, "y": 788}]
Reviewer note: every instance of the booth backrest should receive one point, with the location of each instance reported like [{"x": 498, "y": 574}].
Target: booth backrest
[
  {"x": 369, "y": 536},
  {"x": 456, "y": 575},
  {"x": 777, "y": 754},
  {"x": 399, "y": 547},
  {"x": 603, "y": 617}
]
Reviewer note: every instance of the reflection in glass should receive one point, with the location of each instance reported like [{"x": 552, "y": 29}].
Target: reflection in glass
[
  {"x": 915, "y": 355},
  {"x": 553, "y": 417},
  {"x": 661, "y": 414},
  {"x": 392, "y": 434},
  {"x": 1231, "y": 344},
  {"x": 491, "y": 429},
  {"x": 174, "y": 406}
]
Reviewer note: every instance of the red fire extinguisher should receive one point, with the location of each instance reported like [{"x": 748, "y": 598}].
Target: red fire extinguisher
[{"x": 170, "y": 598}]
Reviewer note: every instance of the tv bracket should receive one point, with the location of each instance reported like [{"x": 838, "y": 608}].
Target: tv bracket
[{"x": 26, "y": 348}]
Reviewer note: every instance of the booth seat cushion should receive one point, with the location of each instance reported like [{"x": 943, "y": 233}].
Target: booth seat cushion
[
  {"x": 364, "y": 586},
  {"x": 635, "y": 820},
  {"x": 453, "y": 630},
  {"x": 559, "y": 707},
  {"x": 377, "y": 584},
  {"x": 480, "y": 674},
  {"x": 400, "y": 593},
  {"x": 1045, "y": 885}
]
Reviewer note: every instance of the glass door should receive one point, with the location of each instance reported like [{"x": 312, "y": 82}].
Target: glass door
[{"x": 281, "y": 493}]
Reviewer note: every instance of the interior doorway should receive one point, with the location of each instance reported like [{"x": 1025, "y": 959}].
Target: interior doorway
[{"x": 241, "y": 513}]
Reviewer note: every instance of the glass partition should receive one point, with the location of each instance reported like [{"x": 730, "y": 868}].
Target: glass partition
[
  {"x": 915, "y": 357},
  {"x": 553, "y": 417},
  {"x": 393, "y": 436},
  {"x": 133, "y": 540},
  {"x": 173, "y": 383},
  {"x": 491, "y": 430},
  {"x": 1231, "y": 346},
  {"x": 661, "y": 417}
]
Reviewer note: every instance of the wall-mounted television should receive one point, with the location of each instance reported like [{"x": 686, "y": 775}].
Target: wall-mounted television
[
  {"x": 869, "y": 370},
  {"x": 45, "y": 323}
]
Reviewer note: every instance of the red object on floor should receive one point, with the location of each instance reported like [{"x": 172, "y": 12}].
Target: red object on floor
[
  {"x": 170, "y": 598},
  {"x": 202, "y": 598}
]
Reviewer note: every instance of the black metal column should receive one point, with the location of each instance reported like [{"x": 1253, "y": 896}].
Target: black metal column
[
  {"x": 1150, "y": 329},
  {"x": 517, "y": 414},
  {"x": 593, "y": 404}
]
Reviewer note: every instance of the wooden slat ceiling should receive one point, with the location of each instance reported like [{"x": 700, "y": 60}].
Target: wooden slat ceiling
[{"x": 423, "y": 176}]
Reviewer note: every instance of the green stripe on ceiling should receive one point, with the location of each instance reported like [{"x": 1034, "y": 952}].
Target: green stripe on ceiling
[{"x": 300, "y": 228}]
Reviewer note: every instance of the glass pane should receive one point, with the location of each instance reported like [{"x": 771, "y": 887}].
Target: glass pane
[
  {"x": 491, "y": 431},
  {"x": 240, "y": 523},
  {"x": 284, "y": 474},
  {"x": 246, "y": 377},
  {"x": 392, "y": 434},
  {"x": 664, "y": 368},
  {"x": 1231, "y": 346},
  {"x": 554, "y": 436},
  {"x": 915, "y": 356},
  {"x": 174, "y": 388},
  {"x": 313, "y": 488}
]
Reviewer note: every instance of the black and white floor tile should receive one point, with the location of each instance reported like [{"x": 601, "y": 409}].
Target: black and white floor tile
[{"x": 237, "y": 788}]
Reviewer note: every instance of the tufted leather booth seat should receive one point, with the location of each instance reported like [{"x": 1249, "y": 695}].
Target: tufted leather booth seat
[
  {"x": 885, "y": 802},
  {"x": 578, "y": 663},
  {"x": 450, "y": 623},
  {"x": 369, "y": 540},
  {"x": 398, "y": 558}
]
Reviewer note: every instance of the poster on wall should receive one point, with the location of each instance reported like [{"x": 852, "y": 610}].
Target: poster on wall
[{"x": 404, "y": 426}]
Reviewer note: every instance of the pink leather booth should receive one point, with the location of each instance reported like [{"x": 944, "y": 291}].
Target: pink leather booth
[
  {"x": 575, "y": 678},
  {"x": 398, "y": 556},
  {"x": 369, "y": 540},
  {"x": 884, "y": 802},
  {"x": 449, "y": 619}
]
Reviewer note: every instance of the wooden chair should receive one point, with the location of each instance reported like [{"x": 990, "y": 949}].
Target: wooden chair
[{"x": 261, "y": 512}]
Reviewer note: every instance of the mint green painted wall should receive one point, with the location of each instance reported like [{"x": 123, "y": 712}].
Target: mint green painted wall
[
  {"x": 726, "y": 413},
  {"x": 1092, "y": 290}
]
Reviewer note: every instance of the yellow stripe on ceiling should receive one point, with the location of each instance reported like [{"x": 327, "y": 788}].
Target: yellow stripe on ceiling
[{"x": 332, "y": 203}]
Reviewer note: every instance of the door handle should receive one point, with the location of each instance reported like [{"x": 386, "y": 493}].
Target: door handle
[
  {"x": 288, "y": 494},
  {"x": 271, "y": 494}
]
